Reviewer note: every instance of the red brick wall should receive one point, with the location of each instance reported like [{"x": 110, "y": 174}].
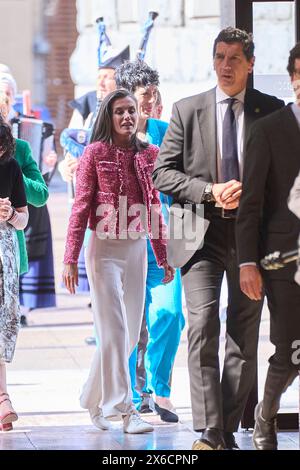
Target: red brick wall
[{"x": 61, "y": 34}]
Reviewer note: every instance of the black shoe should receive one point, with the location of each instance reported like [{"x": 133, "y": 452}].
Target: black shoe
[
  {"x": 23, "y": 321},
  {"x": 211, "y": 439},
  {"x": 166, "y": 415},
  {"x": 90, "y": 340},
  {"x": 264, "y": 434},
  {"x": 230, "y": 441}
]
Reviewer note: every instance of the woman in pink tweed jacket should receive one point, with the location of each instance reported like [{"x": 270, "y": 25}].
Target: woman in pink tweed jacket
[{"x": 114, "y": 191}]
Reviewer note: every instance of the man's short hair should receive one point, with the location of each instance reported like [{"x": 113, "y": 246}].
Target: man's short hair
[
  {"x": 231, "y": 35},
  {"x": 132, "y": 75},
  {"x": 294, "y": 54}
]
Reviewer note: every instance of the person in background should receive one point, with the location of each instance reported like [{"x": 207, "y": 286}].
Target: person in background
[
  {"x": 13, "y": 216},
  {"x": 265, "y": 224},
  {"x": 35, "y": 187},
  {"x": 294, "y": 196},
  {"x": 37, "y": 286},
  {"x": 163, "y": 306},
  {"x": 115, "y": 166},
  {"x": 201, "y": 163}
]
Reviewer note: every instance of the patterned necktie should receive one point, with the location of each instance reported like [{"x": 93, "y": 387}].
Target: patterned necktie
[{"x": 230, "y": 161}]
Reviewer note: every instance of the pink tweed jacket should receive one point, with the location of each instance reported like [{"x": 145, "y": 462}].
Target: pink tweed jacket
[{"x": 99, "y": 181}]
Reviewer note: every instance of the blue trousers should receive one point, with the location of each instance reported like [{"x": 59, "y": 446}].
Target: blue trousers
[{"x": 165, "y": 321}]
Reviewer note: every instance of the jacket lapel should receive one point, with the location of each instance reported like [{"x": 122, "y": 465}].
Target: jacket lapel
[
  {"x": 252, "y": 111},
  {"x": 208, "y": 130}
]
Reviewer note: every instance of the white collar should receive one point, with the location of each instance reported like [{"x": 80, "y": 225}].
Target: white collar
[{"x": 221, "y": 96}]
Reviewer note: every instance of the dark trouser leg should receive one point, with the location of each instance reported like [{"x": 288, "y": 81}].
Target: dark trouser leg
[
  {"x": 202, "y": 278},
  {"x": 284, "y": 305},
  {"x": 202, "y": 285},
  {"x": 242, "y": 329}
]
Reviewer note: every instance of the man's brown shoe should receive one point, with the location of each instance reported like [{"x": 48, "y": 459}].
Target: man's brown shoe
[
  {"x": 264, "y": 434},
  {"x": 211, "y": 439}
]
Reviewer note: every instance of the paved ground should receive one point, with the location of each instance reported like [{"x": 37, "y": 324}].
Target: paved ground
[{"x": 52, "y": 361}]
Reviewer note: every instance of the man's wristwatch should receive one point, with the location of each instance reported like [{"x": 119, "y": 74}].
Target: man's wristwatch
[{"x": 208, "y": 194}]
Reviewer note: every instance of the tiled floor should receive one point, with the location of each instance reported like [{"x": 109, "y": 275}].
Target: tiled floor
[
  {"x": 85, "y": 437},
  {"x": 45, "y": 378}
]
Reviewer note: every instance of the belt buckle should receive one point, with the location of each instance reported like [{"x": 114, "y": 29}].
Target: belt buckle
[{"x": 225, "y": 214}]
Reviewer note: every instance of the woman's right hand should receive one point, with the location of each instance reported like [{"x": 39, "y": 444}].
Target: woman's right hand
[
  {"x": 70, "y": 277},
  {"x": 5, "y": 209}
]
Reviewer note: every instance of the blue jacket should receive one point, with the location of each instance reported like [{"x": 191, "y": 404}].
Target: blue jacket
[{"x": 155, "y": 132}]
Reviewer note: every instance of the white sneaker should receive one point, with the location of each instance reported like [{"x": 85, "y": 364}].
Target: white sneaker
[
  {"x": 98, "y": 419},
  {"x": 134, "y": 424}
]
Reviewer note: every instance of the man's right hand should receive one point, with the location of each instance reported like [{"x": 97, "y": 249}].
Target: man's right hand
[
  {"x": 251, "y": 282},
  {"x": 228, "y": 194}
]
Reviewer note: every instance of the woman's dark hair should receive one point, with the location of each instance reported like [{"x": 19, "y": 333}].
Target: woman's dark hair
[
  {"x": 102, "y": 128},
  {"x": 294, "y": 54},
  {"x": 230, "y": 35},
  {"x": 7, "y": 142},
  {"x": 131, "y": 75}
]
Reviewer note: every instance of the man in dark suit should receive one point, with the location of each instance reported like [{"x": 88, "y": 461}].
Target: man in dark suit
[
  {"x": 201, "y": 161},
  {"x": 265, "y": 224}
]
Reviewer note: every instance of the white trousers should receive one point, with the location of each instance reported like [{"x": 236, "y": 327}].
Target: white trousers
[{"x": 116, "y": 272}]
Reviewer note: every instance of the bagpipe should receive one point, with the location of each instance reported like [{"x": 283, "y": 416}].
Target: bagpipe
[
  {"x": 74, "y": 141},
  {"x": 38, "y": 133},
  {"x": 148, "y": 25},
  {"x": 278, "y": 260},
  {"x": 104, "y": 41}
]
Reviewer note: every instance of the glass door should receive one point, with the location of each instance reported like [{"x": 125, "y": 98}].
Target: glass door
[
  {"x": 276, "y": 29},
  {"x": 274, "y": 35}
]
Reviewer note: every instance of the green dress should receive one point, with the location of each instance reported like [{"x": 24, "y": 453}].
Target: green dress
[{"x": 35, "y": 188}]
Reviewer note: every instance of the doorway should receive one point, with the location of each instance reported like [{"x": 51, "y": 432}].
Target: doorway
[{"x": 272, "y": 22}]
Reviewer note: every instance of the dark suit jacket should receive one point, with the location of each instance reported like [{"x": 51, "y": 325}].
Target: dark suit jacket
[
  {"x": 272, "y": 161},
  {"x": 187, "y": 159}
]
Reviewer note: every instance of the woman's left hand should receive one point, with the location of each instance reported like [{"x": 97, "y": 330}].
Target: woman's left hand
[
  {"x": 169, "y": 273},
  {"x": 5, "y": 209}
]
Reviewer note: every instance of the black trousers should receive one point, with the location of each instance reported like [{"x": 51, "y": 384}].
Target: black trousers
[
  {"x": 284, "y": 305},
  {"x": 219, "y": 402}
]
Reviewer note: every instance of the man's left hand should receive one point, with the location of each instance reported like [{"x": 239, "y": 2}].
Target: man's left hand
[
  {"x": 251, "y": 282},
  {"x": 230, "y": 198}
]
